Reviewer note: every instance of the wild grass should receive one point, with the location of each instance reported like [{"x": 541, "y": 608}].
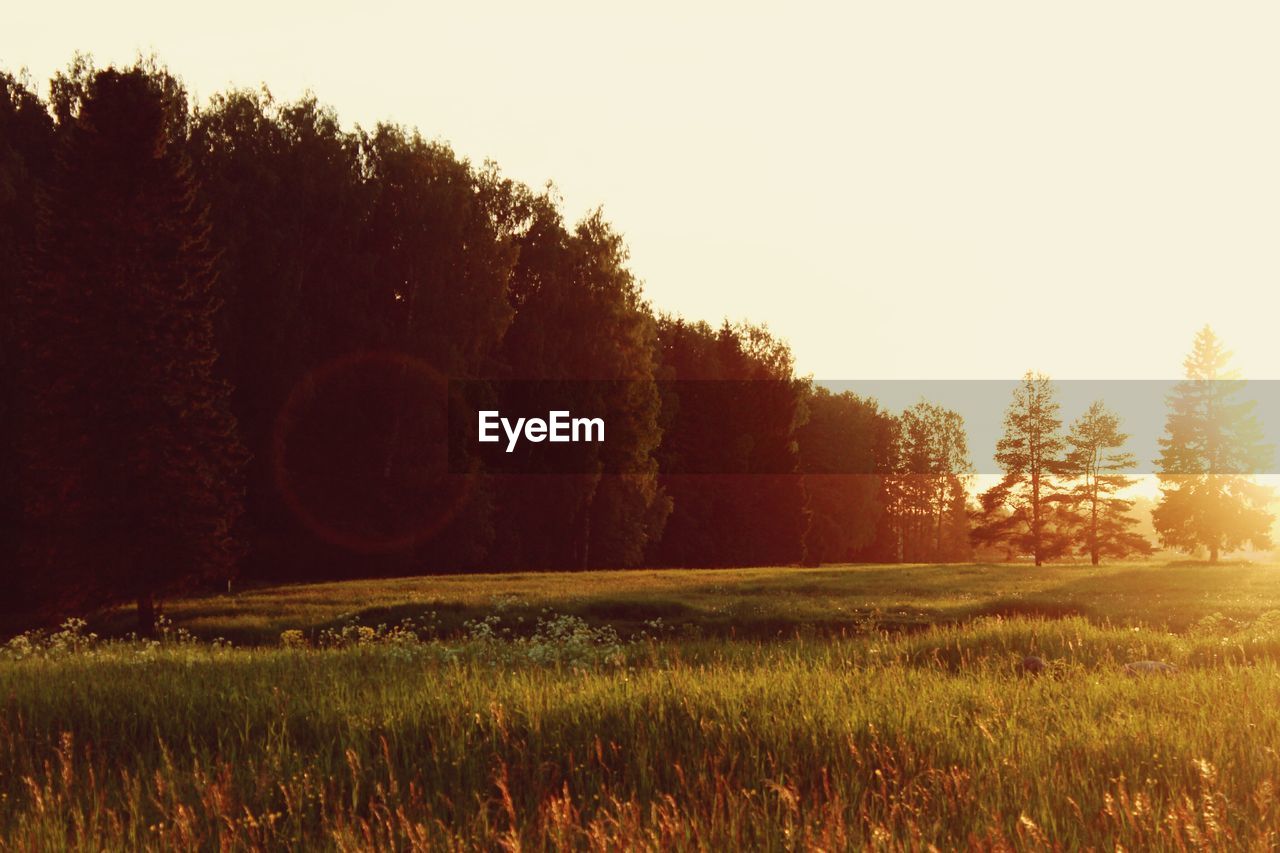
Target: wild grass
[
  {"x": 568, "y": 735},
  {"x": 754, "y": 603}
]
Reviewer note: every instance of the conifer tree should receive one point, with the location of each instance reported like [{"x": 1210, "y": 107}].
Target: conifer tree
[
  {"x": 26, "y": 137},
  {"x": 1212, "y": 443},
  {"x": 131, "y": 453},
  {"x": 1095, "y": 461},
  {"x": 930, "y": 485},
  {"x": 1021, "y": 511}
]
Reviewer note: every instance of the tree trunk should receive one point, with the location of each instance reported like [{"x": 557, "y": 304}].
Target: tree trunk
[
  {"x": 146, "y": 615},
  {"x": 1035, "y": 515},
  {"x": 1093, "y": 520},
  {"x": 1213, "y": 553}
]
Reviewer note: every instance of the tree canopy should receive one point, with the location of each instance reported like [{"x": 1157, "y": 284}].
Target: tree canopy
[
  {"x": 1213, "y": 442},
  {"x": 234, "y": 338}
]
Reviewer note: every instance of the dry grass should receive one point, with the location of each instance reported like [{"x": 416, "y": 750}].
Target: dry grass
[{"x": 575, "y": 738}]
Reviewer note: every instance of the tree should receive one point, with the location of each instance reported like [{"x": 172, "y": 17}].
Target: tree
[
  {"x": 1021, "y": 510},
  {"x": 1212, "y": 443},
  {"x": 26, "y": 143},
  {"x": 364, "y": 270},
  {"x": 288, "y": 210},
  {"x": 927, "y": 492},
  {"x": 729, "y": 456},
  {"x": 582, "y": 340},
  {"x": 838, "y": 456},
  {"x": 131, "y": 461},
  {"x": 1094, "y": 462}
]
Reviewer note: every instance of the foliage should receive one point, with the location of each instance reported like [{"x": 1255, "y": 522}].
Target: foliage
[
  {"x": 926, "y": 493},
  {"x": 729, "y": 456},
  {"x": 841, "y": 446},
  {"x": 131, "y": 460},
  {"x": 583, "y": 331},
  {"x": 1213, "y": 441},
  {"x": 1022, "y": 511},
  {"x": 1093, "y": 466},
  {"x": 26, "y": 164}
]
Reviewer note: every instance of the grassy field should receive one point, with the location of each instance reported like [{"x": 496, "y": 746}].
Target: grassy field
[
  {"x": 757, "y": 603},
  {"x": 664, "y": 710}
]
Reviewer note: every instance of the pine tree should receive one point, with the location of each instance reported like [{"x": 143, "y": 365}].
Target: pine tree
[
  {"x": 131, "y": 453},
  {"x": 930, "y": 484},
  {"x": 1212, "y": 442},
  {"x": 1094, "y": 462},
  {"x": 1021, "y": 510},
  {"x": 26, "y": 137}
]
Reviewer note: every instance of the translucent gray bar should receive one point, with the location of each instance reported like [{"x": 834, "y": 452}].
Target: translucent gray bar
[{"x": 1141, "y": 404}]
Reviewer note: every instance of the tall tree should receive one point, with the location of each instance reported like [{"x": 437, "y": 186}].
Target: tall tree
[
  {"x": 26, "y": 143},
  {"x": 363, "y": 271},
  {"x": 927, "y": 491},
  {"x": 131, "y": 456},
  {"x": 729, "y": 455},
  {"x": 838, "y": 455},
  {"x": 1213, "y": 441},
  {"x": 1021, "y": 510},
  {"x": 1095, "y": 463},
  {"x": 583, "y": 340},
  {"x": 288, "y": 209}
]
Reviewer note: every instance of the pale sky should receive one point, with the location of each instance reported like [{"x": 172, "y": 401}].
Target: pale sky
[{"x": 901, "y": 190}]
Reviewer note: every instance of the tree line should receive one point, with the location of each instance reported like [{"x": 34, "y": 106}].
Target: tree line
[
  {"x": 227, "y": 333},
  {"x": 227, "y": 329},
  {"x": 1060, "y": 493}
]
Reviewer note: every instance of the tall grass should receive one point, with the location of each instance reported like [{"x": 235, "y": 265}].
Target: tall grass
[{"x": 574, "y": 738}]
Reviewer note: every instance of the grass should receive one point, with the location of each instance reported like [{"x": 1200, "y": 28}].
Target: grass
[
  {"x": 757, "y": 603},
  {"x": 521, "y": 730}
]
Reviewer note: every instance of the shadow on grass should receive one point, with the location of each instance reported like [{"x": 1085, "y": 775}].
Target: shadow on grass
[
  {"x": 1013, "y": 608},
  {"x": 762, "y": 605}
]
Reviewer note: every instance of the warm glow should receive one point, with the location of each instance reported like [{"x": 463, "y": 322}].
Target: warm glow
[{"x": 904, "y": 190}]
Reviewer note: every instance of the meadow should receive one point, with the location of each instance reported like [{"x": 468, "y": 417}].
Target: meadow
[
  {"x": 834, "y": 708},
  {"x": 753, "y": 603}
]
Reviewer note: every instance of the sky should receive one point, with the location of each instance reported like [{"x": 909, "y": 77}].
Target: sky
[{"x": 901, "y": 190}]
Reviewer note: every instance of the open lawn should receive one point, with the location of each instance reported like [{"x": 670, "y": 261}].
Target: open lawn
[
  {"x": 663, "y": 711},
  {"x": 746, "y": 603}
]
